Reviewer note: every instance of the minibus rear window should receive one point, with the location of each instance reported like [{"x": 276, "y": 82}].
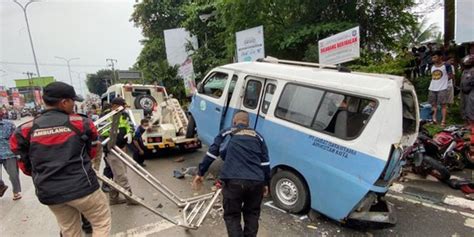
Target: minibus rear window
[
  {"x": 340, "y": 115},
  {"x": 409, "y": 112}
]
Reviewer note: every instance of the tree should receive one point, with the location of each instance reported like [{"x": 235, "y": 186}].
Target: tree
[
  {"x": 418, "y": 33},
  {"x": 292, "y": 28},
  {"x": 96, "y": 82},
  {"x": 154, "y": 17}
]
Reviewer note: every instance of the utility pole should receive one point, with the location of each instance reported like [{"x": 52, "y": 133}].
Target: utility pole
[
  {"x": 112, "y": 61},
  {"x": 81, "y": 82},
  {"x": 4, "y": 82},
  {"x": 29, "y": 32},
  {"x": 448, "y": 21},
  {"x": 68, "y": 66},
  {"x": 30, "y": 83}
]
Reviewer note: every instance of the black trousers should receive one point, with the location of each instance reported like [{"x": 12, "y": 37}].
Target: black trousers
[
  {"x": 140, "y": 159},
  {"x": 242, "y": 197},
  {"x": 136, "y": 155},
  {"x": 107, "y": 170}
]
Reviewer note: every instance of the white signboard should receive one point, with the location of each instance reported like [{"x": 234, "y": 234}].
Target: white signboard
[
  {"x": 176, "y": 42},
  {"x": 339, "y": 48},
  {"x": 464, "y": 30},
  {"x": 250, "y": 46}
]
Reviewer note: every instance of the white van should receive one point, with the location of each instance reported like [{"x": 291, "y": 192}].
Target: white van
[{"x": 335, "y": 138}]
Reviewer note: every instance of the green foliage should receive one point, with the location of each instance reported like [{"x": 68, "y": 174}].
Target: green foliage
[
  {"x": 96, "y": 82},
  {"x": 292, "y": 30},
  {"x": 154, "y": 17},
  {"x": 414, "y": 35}
]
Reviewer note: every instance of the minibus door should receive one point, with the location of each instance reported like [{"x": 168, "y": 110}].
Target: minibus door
[
  {"x": 209, "y": 104},
  {"x": 265, "y": 102},
  {"x": 255, "y": 102}
]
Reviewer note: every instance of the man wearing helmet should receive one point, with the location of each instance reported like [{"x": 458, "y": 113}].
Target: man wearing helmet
[{"x": 467, "y": 87}]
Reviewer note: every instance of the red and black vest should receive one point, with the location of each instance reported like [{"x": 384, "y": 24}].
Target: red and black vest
[{"x": 56, "y": 149}]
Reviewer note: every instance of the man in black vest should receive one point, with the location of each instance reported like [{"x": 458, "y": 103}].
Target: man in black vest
[
  {"x": 246, "y": 174},
  {"x": 56, "y": 149}
]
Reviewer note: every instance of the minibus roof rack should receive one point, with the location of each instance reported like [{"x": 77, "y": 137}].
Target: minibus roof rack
[{"x": 270, "y": 59}]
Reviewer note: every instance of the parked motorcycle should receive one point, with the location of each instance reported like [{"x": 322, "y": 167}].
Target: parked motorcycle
[{"x": 423, "y": 164}]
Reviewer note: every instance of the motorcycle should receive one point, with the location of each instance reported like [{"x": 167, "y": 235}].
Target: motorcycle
[
  {"x": 423, "y": 164},
  {"x": 449, "y": 147}
]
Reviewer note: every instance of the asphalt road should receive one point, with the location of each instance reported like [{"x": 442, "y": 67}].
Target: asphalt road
[{"x": 27, "y": 217}]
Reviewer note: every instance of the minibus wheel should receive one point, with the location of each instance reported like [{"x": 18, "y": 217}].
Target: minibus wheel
[
  {"x": 191, "y": 129},
  {"x": 289, "y": 192}
]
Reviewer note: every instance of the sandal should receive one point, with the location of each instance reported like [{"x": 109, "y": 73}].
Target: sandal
[
  {"x": 16, "y": 196},
  {"x": 443, "y": 124}
]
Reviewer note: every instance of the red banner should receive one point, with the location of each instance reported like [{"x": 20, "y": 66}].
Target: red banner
[
  {"x": 38, "y": 97},
  {"x": 3, "y": 96},
  {"x": 16, "y": 98}
]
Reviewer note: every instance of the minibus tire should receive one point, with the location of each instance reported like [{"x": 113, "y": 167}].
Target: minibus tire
[
  {"x": 294, "y": 181},
  {"x": 191, "y": 129}
]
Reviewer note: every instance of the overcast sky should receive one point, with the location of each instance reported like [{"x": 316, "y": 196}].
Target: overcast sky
[{"x": 91, "y": 30}]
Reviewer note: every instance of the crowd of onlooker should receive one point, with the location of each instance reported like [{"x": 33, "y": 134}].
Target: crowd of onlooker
[
  {"x": 12, "y": 113},
  {"x": 445, "y": 66},
  {"x": 418, "y": 60}
]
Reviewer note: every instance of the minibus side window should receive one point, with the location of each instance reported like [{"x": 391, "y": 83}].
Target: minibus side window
[
  {"x": 298, "y": 104},
  {"x": 214, "y": 85},
  {"x": 233, "y": 82},
  {"x": 252, "y": 94},
  {"x": 267, "y": 98},
  {"x": 342, "y": 115}
]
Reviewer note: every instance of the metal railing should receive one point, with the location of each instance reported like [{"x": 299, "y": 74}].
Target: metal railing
[{"x": 195, "y": 209}]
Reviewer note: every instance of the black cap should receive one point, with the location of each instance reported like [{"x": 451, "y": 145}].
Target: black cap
[
  {"x": 57, "y": 90},
  {"x": 118, "y": 101}
]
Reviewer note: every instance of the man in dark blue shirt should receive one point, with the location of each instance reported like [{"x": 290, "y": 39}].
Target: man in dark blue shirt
[
  {"x": 246, "y": 174},
  {"x": 139, "y": 149}
]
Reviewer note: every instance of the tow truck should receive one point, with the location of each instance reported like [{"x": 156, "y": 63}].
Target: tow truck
[{"x": 168, "y": 121}]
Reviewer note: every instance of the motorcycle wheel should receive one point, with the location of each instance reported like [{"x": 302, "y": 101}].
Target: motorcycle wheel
[
  {"x": 468, "y": 161},
  {"x": 436, "y": 169}
]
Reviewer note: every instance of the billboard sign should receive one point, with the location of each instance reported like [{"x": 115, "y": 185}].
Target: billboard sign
[
  {"x": 177, "y": 42},
  {"x": 464, "y": 31},
  {"x": 340, "y": 48},
  {"x": 129, "y": 75},
  {"x": 36, "y": 82},
  {"x": 250, "y": 44}
]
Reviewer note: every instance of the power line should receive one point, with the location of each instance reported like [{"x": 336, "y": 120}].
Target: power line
[{"x": 51, "y": 64}]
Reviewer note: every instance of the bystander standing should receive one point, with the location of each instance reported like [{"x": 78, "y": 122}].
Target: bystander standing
[{"x": 8, "y": 159}]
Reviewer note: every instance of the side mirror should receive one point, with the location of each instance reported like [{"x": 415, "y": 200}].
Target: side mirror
[{"x": 200, "y": 88}]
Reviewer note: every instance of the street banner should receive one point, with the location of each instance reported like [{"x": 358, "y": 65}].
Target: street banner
[
  {"x": 177, "y": 41},
  {"x": 186, "y": 72},
  {"x": 3, "y": 96},
  {"x": 340, "y": 48},
  {"x": 38, "y": 99},
  {"x": 250, "y": 44},
  {"x": 464, "y": 31},
  {"x": 16, "y": 98}
]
